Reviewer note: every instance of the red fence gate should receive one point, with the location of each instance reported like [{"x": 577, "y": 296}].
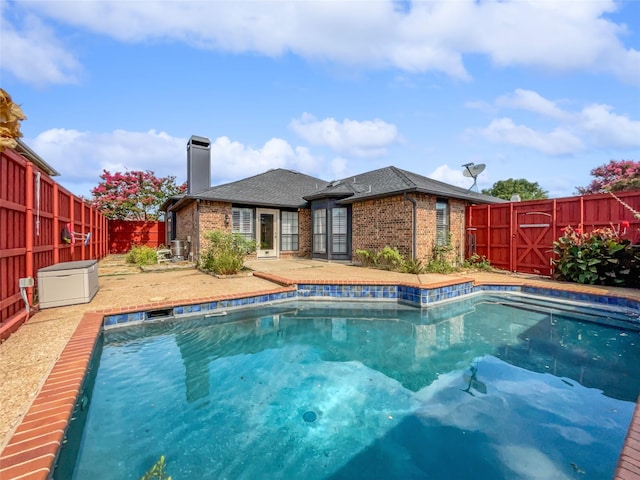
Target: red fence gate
[
  {"x": 124, "y": 233},
  {"x": 34, "y": 210},
  {"x": 519, "y": 236}
]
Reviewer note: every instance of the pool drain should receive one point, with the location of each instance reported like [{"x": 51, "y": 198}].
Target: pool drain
[{"x": 310, "y": 416}]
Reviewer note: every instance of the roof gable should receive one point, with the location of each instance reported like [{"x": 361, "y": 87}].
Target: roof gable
[
  {"x": 277, "y": 188},
  {"x": 391, "y": 181}
]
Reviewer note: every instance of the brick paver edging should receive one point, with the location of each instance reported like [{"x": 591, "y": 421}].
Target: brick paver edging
[{"x": 33, "y": 449}]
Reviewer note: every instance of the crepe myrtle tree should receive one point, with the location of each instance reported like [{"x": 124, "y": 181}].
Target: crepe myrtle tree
[
  {"x": 133, "y": 195},
  {"x": 615, "y": 176}
]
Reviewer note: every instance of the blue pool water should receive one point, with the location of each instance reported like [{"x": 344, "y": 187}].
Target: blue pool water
[{"x": 488, "y": 387}]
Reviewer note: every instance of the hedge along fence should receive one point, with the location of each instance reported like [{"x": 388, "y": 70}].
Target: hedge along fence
[
  {"x": 125, "y": 233},
  {"x": 34, "y": 210}
]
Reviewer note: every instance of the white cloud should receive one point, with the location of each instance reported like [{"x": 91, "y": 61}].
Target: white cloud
[
  {"x": 533, "y": 102},
  {"x": 361, "y": 139},
  {"x": 529, "y": 462},
  {"x": 80, "y": 157},
  {"x": 557, "y": 142},
  {"x": 233, "y": 160},
  {"x": 428, "y": 36},
  {"x": 593, "y": 126},
  {"x": 446, "y": 174},
  {"x": 481, "y": 105},
  {"x": 609, "y": 129},
  {"x": 454, "y": 176},
  {"x": 33, "y": 55},
  {"x": 337, "y": 169}
]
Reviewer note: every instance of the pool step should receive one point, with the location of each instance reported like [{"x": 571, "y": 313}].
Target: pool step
[{"x": 587, "y": 312}]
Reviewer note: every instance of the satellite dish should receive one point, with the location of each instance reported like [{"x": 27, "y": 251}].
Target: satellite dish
[{"x": 471, "y": 170}]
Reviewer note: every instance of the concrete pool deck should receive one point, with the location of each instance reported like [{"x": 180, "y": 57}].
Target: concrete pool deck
[{"x": 44, "y": 361}]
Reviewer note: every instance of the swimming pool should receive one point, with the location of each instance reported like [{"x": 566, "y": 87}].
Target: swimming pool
[{"x": 494, "y": 386}]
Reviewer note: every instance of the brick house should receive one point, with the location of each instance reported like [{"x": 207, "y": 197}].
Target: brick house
[{"x": 290, "y": 214}]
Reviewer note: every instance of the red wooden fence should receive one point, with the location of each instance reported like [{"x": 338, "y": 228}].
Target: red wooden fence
[
  {"x": 123, "y": 234},
  {"x": 34, "y": 209},
  {"x": 519, "y": 236}
]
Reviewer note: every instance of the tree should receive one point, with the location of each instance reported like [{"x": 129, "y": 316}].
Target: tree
[
  {"x": 133, "y": 195},
  {"x": 615, "y": 176},
  {"x": 505, "y": 189},
  {"x": 10, "y": 117}
]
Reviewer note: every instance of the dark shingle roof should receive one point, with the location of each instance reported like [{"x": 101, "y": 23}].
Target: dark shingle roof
[
  {"x": 274, "y": 188},
  {"x": 282, "y": 188},
  {"x": 391, "y": 181}
]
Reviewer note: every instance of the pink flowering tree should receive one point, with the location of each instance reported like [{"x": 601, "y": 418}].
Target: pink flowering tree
[
  {"x": 615, "y": 176},
  {"x": 133, "y": 195}
]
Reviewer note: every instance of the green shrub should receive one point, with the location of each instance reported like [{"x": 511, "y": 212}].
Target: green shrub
[
  {"x": 439, "y": 265},
  {"x": 477, "y": 262},
  {"x": 224, "y": 253},
  {"x": 598, "y": 257},
  {"x": 141, "y": 255},
  {"x": 413, "y": 266},
  {"x": 367, "y": 258},
  {"x": 389, "y": 258},
  {"x": 439, "y": 262}
]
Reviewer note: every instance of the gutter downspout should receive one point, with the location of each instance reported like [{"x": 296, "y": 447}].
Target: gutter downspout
[
  {"x": 196, "y": 254},
  {"x": 415, "y": 221}
]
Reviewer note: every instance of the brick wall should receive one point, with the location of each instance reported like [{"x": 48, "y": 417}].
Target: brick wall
[
  {"x": 212, "y": 216},
  {"x": 457, "y": 209},
  {"x": 426, "y": 230},
  {"x": 304, "y": 232},
  {"x": 186, "y": 222},
  {"x": 389, "y": 222},
  {"x": 382, "y": 222}
]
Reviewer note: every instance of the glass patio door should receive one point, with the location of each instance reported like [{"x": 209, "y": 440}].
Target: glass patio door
[{"x": 267, "y": 233}]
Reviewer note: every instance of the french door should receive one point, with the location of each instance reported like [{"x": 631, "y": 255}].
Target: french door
[{"x": 267, "y": 244}]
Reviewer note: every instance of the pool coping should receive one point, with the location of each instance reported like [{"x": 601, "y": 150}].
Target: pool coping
[{"x": 33, "y": 448}]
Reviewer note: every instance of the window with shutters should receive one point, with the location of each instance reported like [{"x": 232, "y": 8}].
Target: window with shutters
[
  {"x": 320, "y": 231},
  {"x": 243, "y": 222},
  {"x": 339, "y": 230},
  {"x": 289, "y": 231},
  {"x": 442, "y": 222}
]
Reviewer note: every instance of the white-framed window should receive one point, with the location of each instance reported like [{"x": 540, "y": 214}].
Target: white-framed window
[
  {"x": 320, "y": 231},
  {"x": 339, "y": 230},
  {"x": 289, "y": 231},
  {"x": 243, "y": 222},
  {"x": 442, "y": 222}
]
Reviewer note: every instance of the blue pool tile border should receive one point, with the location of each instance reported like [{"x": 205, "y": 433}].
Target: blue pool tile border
[
  {"x": 211, "y": 307},
  {"x": 406, "y": 294},
  {"x": 413, "y": 295},
  {"x": 620, "y": 302}
]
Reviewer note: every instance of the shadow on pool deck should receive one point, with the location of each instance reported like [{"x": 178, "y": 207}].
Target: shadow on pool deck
[{"x": 29, "y": 355}]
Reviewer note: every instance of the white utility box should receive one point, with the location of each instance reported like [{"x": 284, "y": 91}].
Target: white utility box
[{"x": 67, "y": 283}]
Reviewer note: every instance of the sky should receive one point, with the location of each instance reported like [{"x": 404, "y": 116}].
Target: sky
[{"x": 542, "y": 90}]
